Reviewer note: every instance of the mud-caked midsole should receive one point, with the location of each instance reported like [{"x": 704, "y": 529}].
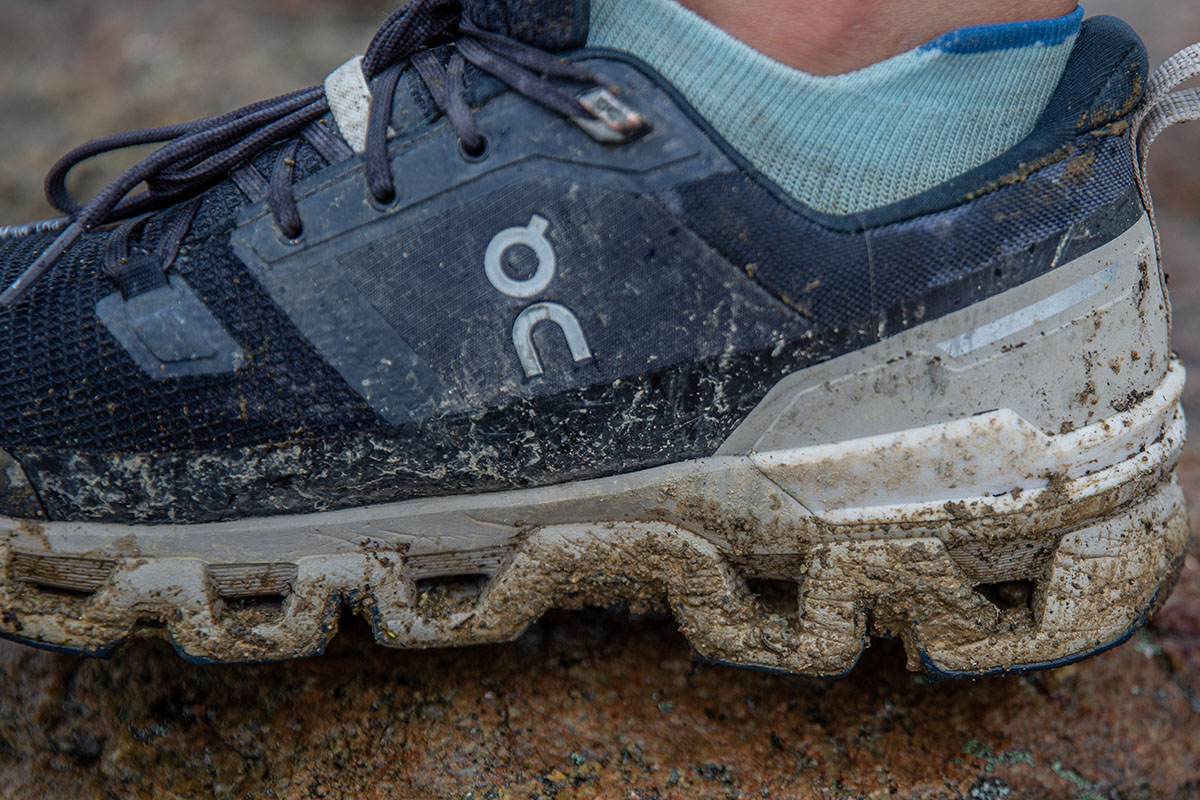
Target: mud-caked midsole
[{"x": 809, "y": 613}]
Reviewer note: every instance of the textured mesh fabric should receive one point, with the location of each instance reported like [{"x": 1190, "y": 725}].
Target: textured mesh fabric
[
  {"x": 842, "y": 278},
  {"x": 549, "y": 24},
  {"x": 65, "y": 383},
  {"x": 848, "y": 143}
]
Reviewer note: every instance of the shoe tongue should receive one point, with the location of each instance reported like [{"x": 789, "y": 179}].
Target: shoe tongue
[{"x": 552, "y": 25}]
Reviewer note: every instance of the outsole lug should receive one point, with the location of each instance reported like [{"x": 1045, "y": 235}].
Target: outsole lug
[{"x": 1096, "y": 589}]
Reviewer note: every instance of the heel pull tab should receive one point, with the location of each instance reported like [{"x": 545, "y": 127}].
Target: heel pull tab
[{"x": 1162, "y": 107}]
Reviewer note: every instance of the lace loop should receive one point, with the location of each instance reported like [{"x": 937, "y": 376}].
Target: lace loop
[
  {"x": 407, "y": 30},
  {"x": 1163, "y": 106},
  {"x": 446, "y": 86},
  {"x": 376, "y": 168},
  {"x": 282, "y": 202}
]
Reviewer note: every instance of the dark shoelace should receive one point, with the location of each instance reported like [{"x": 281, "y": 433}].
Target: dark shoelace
[{"x": 199, "y": 154}]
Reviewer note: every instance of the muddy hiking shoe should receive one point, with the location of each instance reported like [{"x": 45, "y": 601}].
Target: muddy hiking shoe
[{"x": 498, "y": 320}]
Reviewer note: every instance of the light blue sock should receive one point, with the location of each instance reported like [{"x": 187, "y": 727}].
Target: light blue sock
[{"x": 848, "y": 143}]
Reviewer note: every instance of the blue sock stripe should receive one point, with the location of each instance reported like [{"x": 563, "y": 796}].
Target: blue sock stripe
[{"x": 1007, "y": 35}]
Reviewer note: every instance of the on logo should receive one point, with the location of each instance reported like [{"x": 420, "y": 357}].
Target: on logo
[{"x": 534, "y": 237}]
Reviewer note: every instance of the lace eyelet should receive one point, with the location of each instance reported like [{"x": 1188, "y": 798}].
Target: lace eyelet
[
  {"x": 383, "y": 205},
  {"x": 480, "y": 153},
  {"x": 288, "y": 239}
]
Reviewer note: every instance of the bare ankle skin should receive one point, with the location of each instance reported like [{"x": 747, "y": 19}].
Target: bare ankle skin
[{"x": 828, "y": 37}]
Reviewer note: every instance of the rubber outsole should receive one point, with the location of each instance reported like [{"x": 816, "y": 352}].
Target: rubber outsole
[{"x": 1097, "y": 590}]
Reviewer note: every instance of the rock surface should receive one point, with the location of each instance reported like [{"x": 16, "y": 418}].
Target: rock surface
[{"x": 587, "y": 705}]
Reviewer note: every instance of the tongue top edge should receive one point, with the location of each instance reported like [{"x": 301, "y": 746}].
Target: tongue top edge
[{"x": 552, "y": 25}]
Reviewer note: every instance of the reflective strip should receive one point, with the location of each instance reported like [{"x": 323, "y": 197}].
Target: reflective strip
[
  {"x": 1030, "y": 315},
  {"x": 29, "y": 228}
]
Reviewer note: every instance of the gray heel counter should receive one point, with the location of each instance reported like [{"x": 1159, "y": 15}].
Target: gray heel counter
[{"x": 1069, "y": 349}]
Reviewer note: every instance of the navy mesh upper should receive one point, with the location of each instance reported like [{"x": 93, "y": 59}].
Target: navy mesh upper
[
  {"x": 65, "y": 383},
  {"x": 839, "y": 277}
]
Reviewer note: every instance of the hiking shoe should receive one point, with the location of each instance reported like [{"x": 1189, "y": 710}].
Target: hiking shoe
[{"x": 492, "y": 322}]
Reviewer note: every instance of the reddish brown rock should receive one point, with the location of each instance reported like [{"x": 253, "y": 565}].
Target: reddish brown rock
[{"x": 587, "y": 705}]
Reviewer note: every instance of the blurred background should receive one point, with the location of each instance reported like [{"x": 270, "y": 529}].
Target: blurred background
[{"x": 587, "y": 705}]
